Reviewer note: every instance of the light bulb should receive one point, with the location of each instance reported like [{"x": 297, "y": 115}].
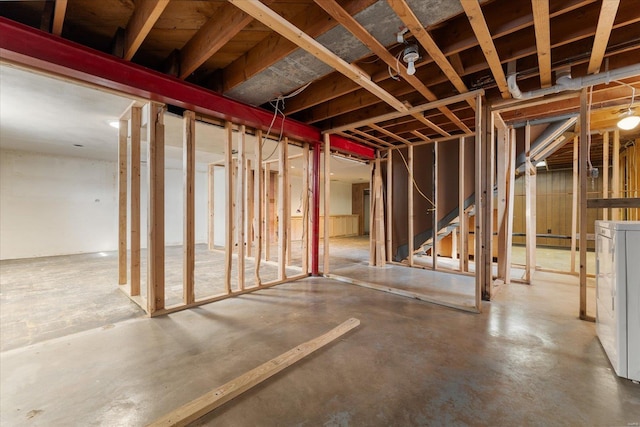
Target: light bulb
[
  {"x": 629, "y": 121},
  {"x": 411, "y": 69}
]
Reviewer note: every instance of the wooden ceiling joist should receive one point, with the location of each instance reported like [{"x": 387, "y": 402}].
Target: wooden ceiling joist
[
  {"x": 474, "y": 12},
  {"x": 209, "y": 38},
  {"x": 313, "y": 21},
  {"x": 362, "y": 140},
  {"x": 140, "y": 24},
  {"x": 59, "y": 12},
  {"x": 603, "y": 32},
  {"x": 404, "y": 12},
  {"x": 413, "y": 110},
  {"x": 373, "y": 138},
  {"x": 389, "y": 134},
  {"x": 543, "y": 39},
  {"x": 280, "y": 25}
]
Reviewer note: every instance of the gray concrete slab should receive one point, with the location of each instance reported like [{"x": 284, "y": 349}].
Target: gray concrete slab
[{"x": 526, "y": 360}]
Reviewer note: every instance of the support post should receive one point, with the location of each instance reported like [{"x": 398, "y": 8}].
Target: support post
[
  {"x": 389, "y": 227},
  {"x": 327, "y": 201},
  {"x": 605, "y": 172},
  {"x": 228, "y": 229},
  {"x": 462, "y": 216},
  {"x": 511, "y": 183},
  {"x": 502, "y": 171},
  {"x": 249, "y": 189},
  {"x": 135, "y": 236},
  {"x": 282, "y": 226},
  {"x": 530, "y": 209},
  {"x": 615, "y": 178},
  {"x": 584, "y": 132},
  {"x": 122, "y": 201},
  {"x": 258, "y": 217},
  {"x": 574, "y": 206},
  {"x": 240, "y": 204},
  {"x": 410, "y": 214},
  {"x": 480, "y": 201},
  {"x": 267, "y": 212},
  {"x": 487, "y": 176},
  {"x": 315, "y": 235},
  {"x": 189, "y": 175},
  {"x": 305, "y": 208},
  {"x": 211, "y": 206},
  {"x": 434, "y": 247},
  {"x": 155, "y": 208}
]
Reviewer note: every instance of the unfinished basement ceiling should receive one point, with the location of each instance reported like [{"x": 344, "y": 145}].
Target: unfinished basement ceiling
[{"x": 218, "y": 46}]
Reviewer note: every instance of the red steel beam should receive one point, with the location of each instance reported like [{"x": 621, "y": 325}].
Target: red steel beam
[{"x": 33, "y": 48}]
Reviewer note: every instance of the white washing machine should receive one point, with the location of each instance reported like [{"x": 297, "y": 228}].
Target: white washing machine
[{"x": 618, "y": 294}]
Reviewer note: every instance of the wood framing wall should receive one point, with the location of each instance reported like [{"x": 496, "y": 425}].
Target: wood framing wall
[{"x": 252, "y": 209}]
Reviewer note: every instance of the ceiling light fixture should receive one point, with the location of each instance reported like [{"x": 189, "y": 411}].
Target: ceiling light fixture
[
  {"x": 410, "y": 56},
  {"x": 628, "y": 120},
  {"x": 541, "y": 164},
  {"x": 114, "y": 124}
]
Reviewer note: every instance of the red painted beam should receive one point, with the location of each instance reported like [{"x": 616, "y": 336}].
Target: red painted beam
[
  {"x": 36, "y": 49},
  {"x": 347, "y": 146}
]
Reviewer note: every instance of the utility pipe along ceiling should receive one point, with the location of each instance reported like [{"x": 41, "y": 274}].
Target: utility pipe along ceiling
[{"x": 332, "y": 63}]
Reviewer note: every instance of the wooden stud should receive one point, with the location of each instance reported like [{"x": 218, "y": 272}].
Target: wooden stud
[
  {"x": 327, "y": 200},
  {"x": 530, "y": 208},
  {"x": 582, "y": 217},
  {"x": 267, "y": 212},
  {"x": 122, "y": 201},
  {"x": 287, "y": 214},
  {"x": 502, "y": 171},
  {"x": 574, "y": 205},
  {"x": 479, "y": 205},
  {"x": 155, "y": 208},
  {"x": 136, "y": 120},
  {"x": 487, "y": 174},
  {"x": 379, "y": 216},
  {"x": 240, "y": 205},
  {"x": 462, "y": 217},
  {"x": 410, "y": 213},
  {"x": 305, "y": 208},
  {"x": 206, "y": 403},
  {"x": 258, "y": 216},
  {"x": 605, "y": 172},
  {"x": 189, "y": 176},
  {"x": 229, "y": 240},
  {"x": 389, "y": 189},
  {"x": 372, "y": 206},
  {"x": 282, "y": 207},
  {"x": 511, "y": 184},
  {"x": 434, "y": 224},
  {"x": 250, "y": 208},
  {"x": 615, "y": 176},
  {"x": 211, "y": 206}
]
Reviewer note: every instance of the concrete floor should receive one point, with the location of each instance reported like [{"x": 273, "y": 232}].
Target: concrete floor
[{"x": 526, "y": 360}]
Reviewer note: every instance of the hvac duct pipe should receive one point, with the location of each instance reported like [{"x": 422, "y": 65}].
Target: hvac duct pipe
[{"x": 564, "y": 81}]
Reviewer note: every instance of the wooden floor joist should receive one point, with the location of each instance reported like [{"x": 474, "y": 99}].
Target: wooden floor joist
[{"x": 221, "y": 395}]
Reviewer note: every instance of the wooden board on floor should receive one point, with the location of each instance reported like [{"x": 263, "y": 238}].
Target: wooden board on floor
[{"x": 221, "y": 395}]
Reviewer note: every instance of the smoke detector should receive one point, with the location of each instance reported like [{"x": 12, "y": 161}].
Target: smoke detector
[{"x": 410, "y": 56}]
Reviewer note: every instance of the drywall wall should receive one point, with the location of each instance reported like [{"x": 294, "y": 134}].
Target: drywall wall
[
  {"x": 54, "y": 205},
  {"x": 340, "y": 197},
  {"x": 58, "y": 205}
]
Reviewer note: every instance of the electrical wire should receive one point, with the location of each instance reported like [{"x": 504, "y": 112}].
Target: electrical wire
[
  {"x": 415, "y": 184},
  {"x": 397, "y": 76}
]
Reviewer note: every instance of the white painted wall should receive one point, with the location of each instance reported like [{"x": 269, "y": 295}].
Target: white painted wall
[
  {"x": 58, "y": 205},
  {"x": 53, "y": 205},
  {"x": 340, "y": 197}
]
